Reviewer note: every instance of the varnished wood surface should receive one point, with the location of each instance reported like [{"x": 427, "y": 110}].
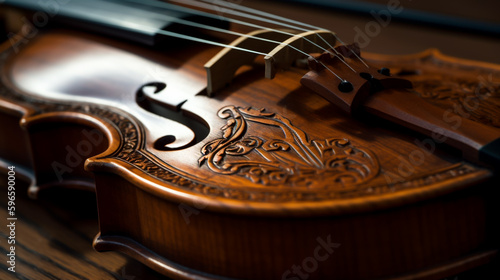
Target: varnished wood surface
[
  {"x": 53, "y": 238},
  {"x": 403, "y": 38},
  {"x": 153, "y": 219},
  {"x": 62, "y": 273}
]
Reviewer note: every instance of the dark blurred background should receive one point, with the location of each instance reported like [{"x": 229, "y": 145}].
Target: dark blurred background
[
  {"x": 453, "y": 27},
  {"x": 466, "y": 29}
]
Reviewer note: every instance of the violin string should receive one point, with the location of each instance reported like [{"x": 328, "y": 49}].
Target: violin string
[
  {"x": 284, "y": 19},
  {"x": 225, "y": 31},
  {"x": 331, "y": 71},
  {"x": 269, "y": 15},
  {"x": 248, "y": 10},
  {"x": 188, "y": 37},
  {"x": 191, "y": 38},
  {"x": 209, "y": 15},
  {"x": 196, "y": 39},
  {"x": 200, "y": 40},
  {"x": 212, "y": 7}
]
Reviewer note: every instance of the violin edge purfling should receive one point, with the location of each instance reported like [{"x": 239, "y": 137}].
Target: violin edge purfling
[
  {"x": 114, "y": 187},
  {"x": 282, "y": 181}
]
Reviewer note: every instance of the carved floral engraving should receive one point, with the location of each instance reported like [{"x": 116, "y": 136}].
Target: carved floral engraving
[
  {"x": 469, "y": 89},
  {"x": 478, "y": 100},
  {"x": 235, "y": 143},
  {"x": 287, "y": 158}
]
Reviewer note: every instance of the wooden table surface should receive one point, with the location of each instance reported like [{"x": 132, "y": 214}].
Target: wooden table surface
[
  {"x": 54, "y": 233},
  {"x": 54, "y": 240}
]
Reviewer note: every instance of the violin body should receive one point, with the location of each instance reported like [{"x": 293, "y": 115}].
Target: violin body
[{"x": 264, "y": 180}]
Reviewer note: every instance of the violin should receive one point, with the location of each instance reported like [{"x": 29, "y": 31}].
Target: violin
[{"x": 281, "y": 154}]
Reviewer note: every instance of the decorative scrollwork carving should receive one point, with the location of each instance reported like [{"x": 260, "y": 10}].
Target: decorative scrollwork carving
[
  {"x": 132, "y": 154},
  {"x": 469, "y": 89},
  {"x": 289, "y": 159},
  {"x": 478, "y": 100}
]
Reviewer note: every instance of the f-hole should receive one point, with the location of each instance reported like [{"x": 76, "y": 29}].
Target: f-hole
[{"x": 146, "y": 100}]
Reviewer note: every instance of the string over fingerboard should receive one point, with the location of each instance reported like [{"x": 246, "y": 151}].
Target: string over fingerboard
[{"x": 283, "y": 49}]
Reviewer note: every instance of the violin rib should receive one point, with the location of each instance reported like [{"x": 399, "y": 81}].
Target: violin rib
[{"x": 269, "y": 180}]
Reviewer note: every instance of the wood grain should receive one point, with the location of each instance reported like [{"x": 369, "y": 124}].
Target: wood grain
[
  {"x": 253, "y": 221},
  {"x": 53, "y": 237}
]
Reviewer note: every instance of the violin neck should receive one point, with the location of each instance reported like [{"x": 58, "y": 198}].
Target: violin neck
[{"x": 133, "y": 21}]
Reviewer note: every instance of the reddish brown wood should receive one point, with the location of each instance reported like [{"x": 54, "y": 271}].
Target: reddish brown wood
[
  {"x": 345, "y": 65},
  {"x": 386, "y": 96},
  {"x": 411, "y": 111},
  {"x": 264, "y": 185}
]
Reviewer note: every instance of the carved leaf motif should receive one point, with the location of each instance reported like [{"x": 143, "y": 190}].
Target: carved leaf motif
[
  {"x": 243, "y": 147},
  {"x": 131, "y": 152},
  {"x": 469, "y": 89},
  {"x": 478, "y": 100},
  {"x": 289, "y": 159}
]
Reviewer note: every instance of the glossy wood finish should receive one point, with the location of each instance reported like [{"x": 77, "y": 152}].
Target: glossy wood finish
[
  {"x": 263, "y": 225},
  {"x": 54, "y": 243},
  {"x": 434, "y": 220},
  {"x": 389, "y": 97},
  {"x": 54, "y": 233},
  {"x": 411, "y": 112}
]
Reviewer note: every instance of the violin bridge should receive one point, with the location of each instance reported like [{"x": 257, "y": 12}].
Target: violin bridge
[{"x": 222, "y": 67}]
